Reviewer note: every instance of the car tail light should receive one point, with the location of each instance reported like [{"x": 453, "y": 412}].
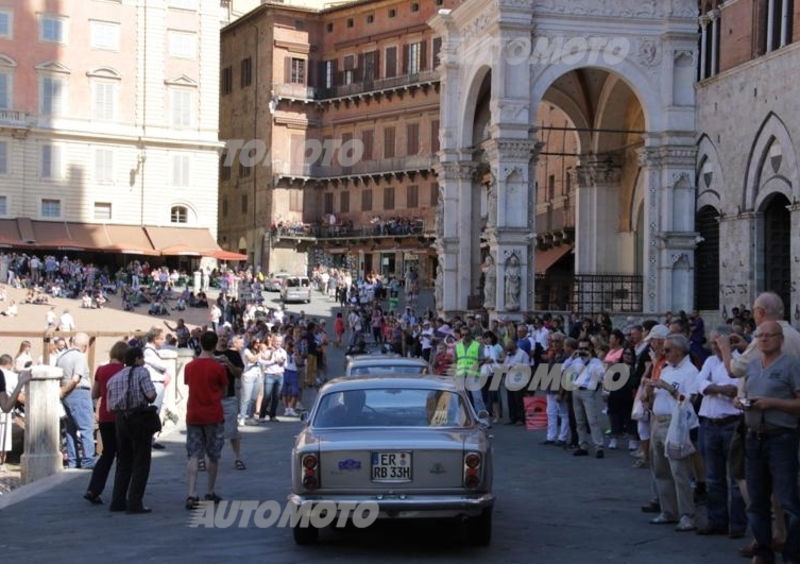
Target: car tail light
[
  {"x": 310, "y": 464},
  {"x": 472, "y": 470}
]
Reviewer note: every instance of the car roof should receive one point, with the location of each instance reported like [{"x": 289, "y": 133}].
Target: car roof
[
  {"x": 381, "y": 360},
  {"x": 395, "y": 381}
]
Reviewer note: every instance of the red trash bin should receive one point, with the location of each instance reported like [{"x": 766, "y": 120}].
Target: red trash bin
[{"x": 535, "y": 412}]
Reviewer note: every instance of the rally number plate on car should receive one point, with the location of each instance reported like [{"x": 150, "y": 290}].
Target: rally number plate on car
[{"x": 391, "y": 466}]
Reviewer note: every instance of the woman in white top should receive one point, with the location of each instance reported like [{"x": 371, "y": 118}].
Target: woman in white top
[
  {"x": 251, "y": 380},
  {"x": 23, "y": 356}
]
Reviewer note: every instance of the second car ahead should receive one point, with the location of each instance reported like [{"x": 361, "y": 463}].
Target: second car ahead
[{"x": 296, "y": 289}]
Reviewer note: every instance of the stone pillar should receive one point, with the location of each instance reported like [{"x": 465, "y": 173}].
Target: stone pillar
[
  {"x": 794, "y": 308},
  {"x": 785, "y": 22},
  {"x": 770, "y": 23},
  {"x": 715, "y": 24},
  {"x": 456, "y": 234},
  {"x": 650, "y": 164},
  {"x": 42, "y": 453},
  {"x": 597, "y": 217},
  {"x": 512, "y": 239},
  {"x": 704, "y": 21}
]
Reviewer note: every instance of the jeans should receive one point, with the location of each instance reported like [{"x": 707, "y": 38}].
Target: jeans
[
  {"x": 716, "y": 446},
  {"x": 108, "y": 433},
  {"x": 272, "y": 392},
  {"x": 80, "y": 419},
  {"x": 557, "y": 409},
  {"x": 771, "y": 467},
  {"x": 251, "y": 382},
  {"x": 133, "y": 464}
]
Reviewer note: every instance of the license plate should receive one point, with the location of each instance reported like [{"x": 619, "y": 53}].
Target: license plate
[{"x": 391, "y": 466}]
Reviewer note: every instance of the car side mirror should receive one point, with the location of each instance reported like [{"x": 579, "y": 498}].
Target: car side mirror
[
  {"x": 484, "y": 419},
  {"x": 304, "y": 416}
]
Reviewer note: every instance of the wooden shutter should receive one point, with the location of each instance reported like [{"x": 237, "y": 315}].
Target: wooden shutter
[
  {"x": 388, "y": 198},
  {"x": 344, "y": 202},
  {"x": 388, "y": 142},
  {"x": 406, "y": 49},
  {"x": 412, "y": 139},
  {"x": 366, "y": 200},
  {"x": 391, "y": 62},
  {"x": 358, "y": 74},
  {"x": 435, "y": 136},
  {"x": 368, "y": 140},
  {"x": 437, "y": 47},
  {"x": 412, "y": 197},
  {"x": 423, "y": 55}
]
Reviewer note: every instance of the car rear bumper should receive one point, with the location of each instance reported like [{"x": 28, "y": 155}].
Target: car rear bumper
[{"x": 410, "y": 506}]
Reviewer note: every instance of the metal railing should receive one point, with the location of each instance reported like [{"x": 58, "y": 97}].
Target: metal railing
[
  {"x": 412, "y": 163},
  {"x": 13, "y": 117},
  {"x": 409, "y": 228},
  {"x": 589, "y": 293},
  {"x": 303, "y": 92}
]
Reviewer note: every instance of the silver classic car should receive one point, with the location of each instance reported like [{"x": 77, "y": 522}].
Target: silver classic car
[
  {"x": 411, "y": 444},
  {"x": 379, "y": 364}
]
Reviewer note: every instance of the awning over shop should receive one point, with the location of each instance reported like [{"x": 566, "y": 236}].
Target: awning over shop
[
  {"x": 545, "y": 259},
  {"x": 225, "y": 255},
  {"x": 129, "y": 240},
  {"x": 182, "y": 241},
  {"x": 56, "y": 235},
  {"x": 10, "y": 234}
]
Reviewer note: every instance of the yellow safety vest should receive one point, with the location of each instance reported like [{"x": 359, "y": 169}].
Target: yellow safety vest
[{"x": 467, "y": 360}]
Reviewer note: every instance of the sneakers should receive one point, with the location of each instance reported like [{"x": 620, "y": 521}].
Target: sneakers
[
  {"x": 663, "y": 519},
  {"x": 685, "y": 524},
  {"x": 612, "y": 444},
  {"x": 633, "y": 445}
]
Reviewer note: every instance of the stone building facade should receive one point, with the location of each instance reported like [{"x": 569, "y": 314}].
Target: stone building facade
[
  {"x": 109, "y": 114},
  {"x": 748, "y": 200},
  {"x": 322, "y": 81}
]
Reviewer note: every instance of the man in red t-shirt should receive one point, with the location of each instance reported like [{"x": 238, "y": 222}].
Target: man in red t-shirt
[{"x": 207, "y": 379}]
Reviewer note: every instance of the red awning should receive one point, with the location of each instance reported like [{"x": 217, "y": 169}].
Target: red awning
[
  {"x": 545, "y": 259},
  {"x": 225, "y": 255},
  {"x": 182, "y": 241}
]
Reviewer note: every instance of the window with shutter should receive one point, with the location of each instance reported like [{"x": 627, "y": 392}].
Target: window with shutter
[
  {"x": 3, "y": 157},
  {"x": 423, "y": 55},
  {"x": 330, "y": 74},
  {"x": 51, "y": 161},
  {"x": 328, "y": 202},
  {"x": 413, "y": 58},
  {"x": 102, "y": 211},
  {"x": 391, "y": 62},
  {"x": 6, "y": 23},
  {"x": 104, "y": 35},
  {"x": 366, "y": 200},
  {"x": 344, "y": 202},
  {"x": 298, "y": 71},
  {"x": 51, "y": 208},
  {"x": 53, "y": 28},
  {"x": 246, "y": 74},
  {"x": 181, "y": 107},
  {"x": 104, "y": 166},
  {"x": 412, "y": 139},
  {"x": 179, "y": 214},
  {"x": 3, "y": 205},
  {"x": 435, "y": 136},
  {"x": 370, "y": 66},
  {"x": 181, "y": 170},
  {"x": 349, "y": 64},
  {"x": 227, "y": 80},
  {"x": 367, "y": 140},
  {"x": 296, "y": 200},
  {"x": 224, "y": 169},
  {"x": 437, "y": 48},
  {"x": 52, "y": 96},
  {"x": 5, "y": 90},
  {"x": 103, "y": 104},
  {"x": 388, "y": 142},
  {"x": 388, "y": 198},
  {"x": 412, "y": 197},
  {"x": 434, "y": 194}
]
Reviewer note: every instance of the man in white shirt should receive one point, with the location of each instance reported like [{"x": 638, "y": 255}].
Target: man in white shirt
[
  {"x": 587, "y": 399},
  {"x": 540, "y": 333},
  {"x": 157, "y": 367},
  {"x": 673, "y": 477},
  {"x": 426, "y": 340},
  {"x": 719, "y": 421},
  {"x": 67, "y": 322},
  {"x": 515, "y": 381}
]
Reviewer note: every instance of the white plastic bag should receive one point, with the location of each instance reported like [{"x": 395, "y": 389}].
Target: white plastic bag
[
  {"x": 638, "y": 412},
  {"x": 678, "y": 444}
]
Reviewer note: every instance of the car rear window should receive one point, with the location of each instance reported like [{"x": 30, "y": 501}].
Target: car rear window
[
  {"x": 297, "y": 282},
  {"x": 391, "y": 407},
  {"x": 387, "y": 369}
]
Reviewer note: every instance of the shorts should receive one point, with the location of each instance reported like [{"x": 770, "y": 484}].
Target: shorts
[
  {"x": 230, "y": 410},
  {"x": 205, "y": 440},
  {"x": 643, "y": 428},
  {"x": 291, "y": 389}
]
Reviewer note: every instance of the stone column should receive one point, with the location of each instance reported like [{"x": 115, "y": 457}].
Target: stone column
[
  {"x": 715, "y": 23},
  {"x": 770, "y": 23},
  {"x": 785, "y": 22},
  {"x": 794, "y": 308},
  {"x": 650, "y": 164},
  {"x": 704, "y": 20},
  {"x": 597, "y": 217},
  {"x": 42, "y": 453},
  {"x": 455, "y": 241},
  {"x": 512, "y": 240}
]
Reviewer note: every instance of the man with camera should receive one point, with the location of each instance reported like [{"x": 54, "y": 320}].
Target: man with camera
[
  {"x": 772, "y": 414},
  {"x": 587, "y": 399}
]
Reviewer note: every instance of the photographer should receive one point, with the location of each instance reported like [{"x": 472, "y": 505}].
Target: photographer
[{"x": 587, "y": 400}]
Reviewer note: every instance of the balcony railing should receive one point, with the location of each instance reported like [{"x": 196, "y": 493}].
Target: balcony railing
[
  {"x": 13, "y": 118},
  {"x": 416, "y": 163},
  {"x": 385, "y": 229},
  {"x": 589, "y": 293},
  {"x": 303, "y": 92}
]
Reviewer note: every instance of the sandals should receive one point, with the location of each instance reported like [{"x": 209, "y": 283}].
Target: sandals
[
  {"x": 239, "y": 465},
  {"x": 192, "y": 503},
  {"x": 201, "y": 465}
]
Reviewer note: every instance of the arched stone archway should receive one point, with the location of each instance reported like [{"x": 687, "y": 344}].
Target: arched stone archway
[{"x": 530, "y": 46}]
